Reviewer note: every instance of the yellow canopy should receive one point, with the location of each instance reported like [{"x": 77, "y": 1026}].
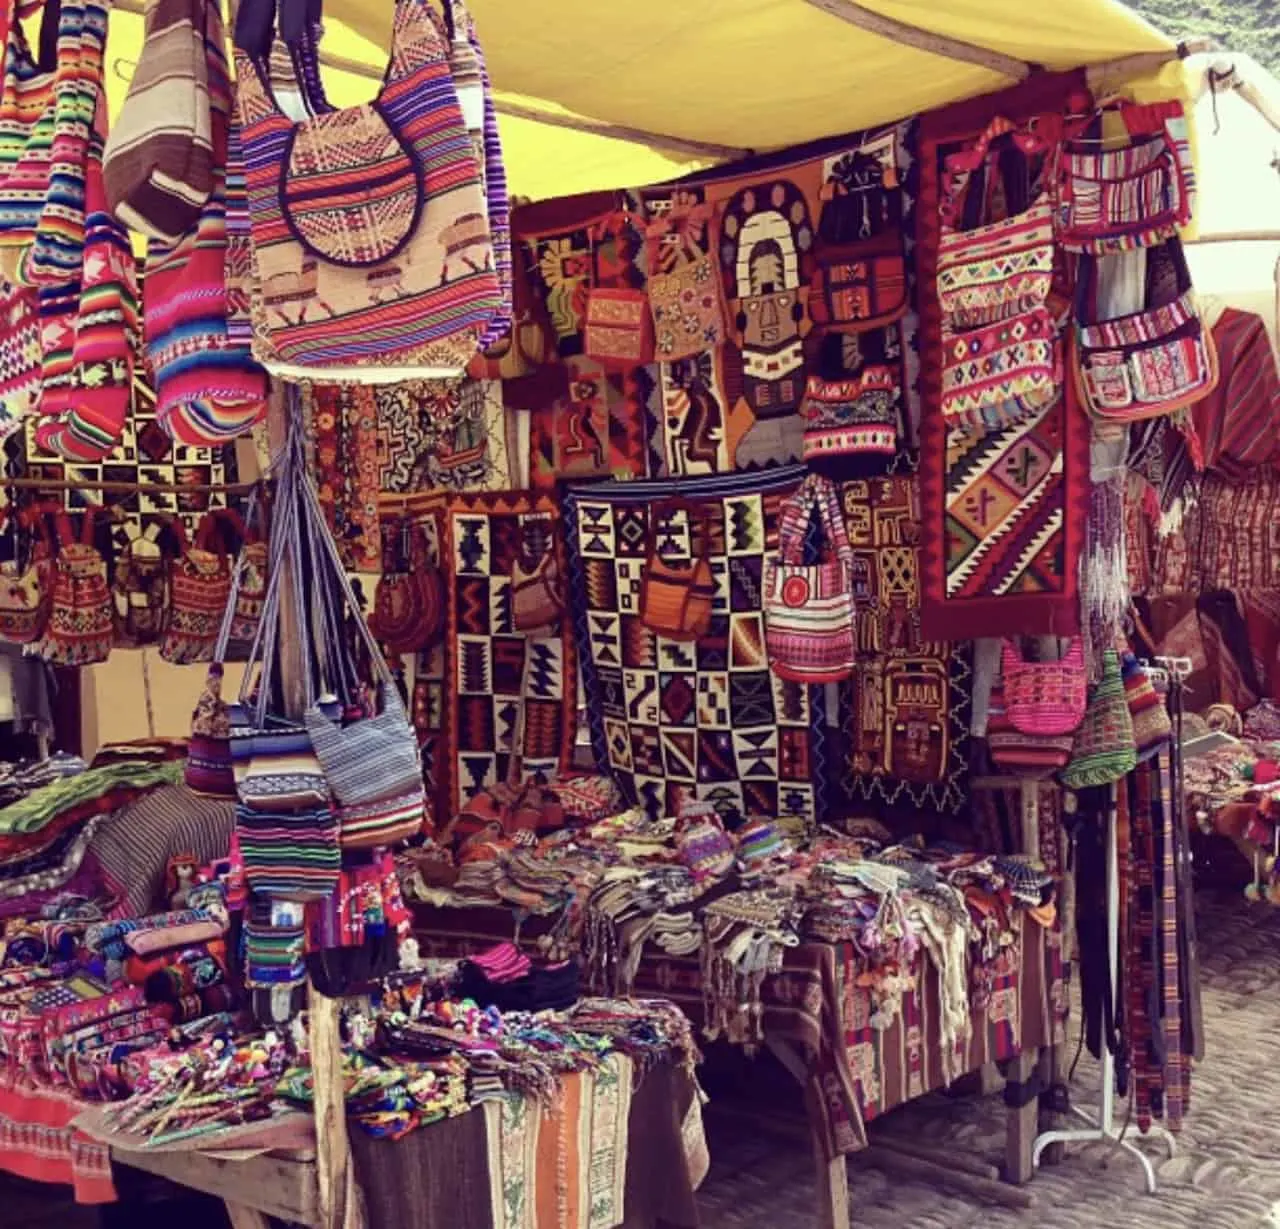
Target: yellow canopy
[{"x": 693, "y": 83}]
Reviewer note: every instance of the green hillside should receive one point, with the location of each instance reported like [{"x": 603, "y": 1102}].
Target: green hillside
[{"x": 1251, "y": 26}]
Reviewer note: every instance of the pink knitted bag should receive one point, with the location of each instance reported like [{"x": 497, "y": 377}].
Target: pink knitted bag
[{"x": 1045, "y": 697}]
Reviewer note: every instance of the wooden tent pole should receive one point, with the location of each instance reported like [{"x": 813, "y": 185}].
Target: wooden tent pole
[
  {"x": 338, "y": 1196},
  {"x": 923, "y": 40},
  {"x": 1110, "y": 73}
]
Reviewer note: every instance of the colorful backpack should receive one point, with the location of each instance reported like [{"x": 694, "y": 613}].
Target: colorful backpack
[
  {"x": 140, "y": 590},
  {"x": 200, "y": 586},
  {"x": 26, "y": 593},
  {"x": 81, "y": 627}
]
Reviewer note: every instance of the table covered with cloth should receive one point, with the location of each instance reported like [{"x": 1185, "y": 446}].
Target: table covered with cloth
[
  {"x": 39, "y": 1142},
  {"x": 855, "y": 1070}
]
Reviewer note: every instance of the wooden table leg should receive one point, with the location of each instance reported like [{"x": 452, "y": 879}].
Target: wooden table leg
[
  {"x": 832, "y": 1175},
  {"x": 1022, "y": 1123},
  {"x": 242, "y": 1217},
  {"x": 833, "y": 1189}
]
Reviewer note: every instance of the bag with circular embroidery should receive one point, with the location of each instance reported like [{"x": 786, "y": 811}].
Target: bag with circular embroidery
[
  {"x": 26, "y": 592},
  {"x": 808, "y": 607},
  {"x": 370, "y": 227}
]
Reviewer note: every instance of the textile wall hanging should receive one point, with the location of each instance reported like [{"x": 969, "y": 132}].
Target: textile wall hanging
[
  {"x": 342, "y": 427},
  {"x": 905, "y": 713},
  {"x": 492, "y": 665},
  {"x": 747, "y": 251},
  {"x": 1003, "y": 510},
  {"x": 146, "y": 454},
  {"x": 666, "y": 715}
]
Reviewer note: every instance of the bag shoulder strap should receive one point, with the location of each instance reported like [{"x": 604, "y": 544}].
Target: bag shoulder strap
[
  {"x": 815, "y": 494},
  {"x": 698, "y": 518}
]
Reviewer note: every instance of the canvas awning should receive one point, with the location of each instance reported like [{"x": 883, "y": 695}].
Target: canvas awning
[{"x": 681, "y": 85}]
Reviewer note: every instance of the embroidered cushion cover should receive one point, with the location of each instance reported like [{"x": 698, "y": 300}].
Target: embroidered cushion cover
[{"x": 369, "y": 225}]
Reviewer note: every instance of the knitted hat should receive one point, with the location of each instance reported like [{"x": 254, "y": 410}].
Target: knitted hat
[
  {"x": 1104, "y": 748},
  {"x": 1152, "y": 728},
  {"x": 758, "y": 842}
]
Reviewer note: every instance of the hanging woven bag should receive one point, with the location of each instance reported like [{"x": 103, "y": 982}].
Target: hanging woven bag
[
  {"x": 199, "y": 587},
  {"x": 81, "y": 627},
  {"x": 409, "y": 602},
  {"x": 370, "y": 228},
  {"x": 1045, "y": 697},
  {"x": 537, "y": 593},
  {"x": 808, "y": 608},
  {"x": 677, "y": 594},
  {"x": 26, "y": 592},
  {"x": 140, "y": 589}
]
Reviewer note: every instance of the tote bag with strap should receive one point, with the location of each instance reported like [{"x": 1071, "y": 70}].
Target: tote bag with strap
[
  {"x": 1002, "y": 361},
  {"x": 808, "y": 608},
  {"x": 1045, "y": 697},
  {"x": 26, "y": 592},
  {"x": 208, "y": 387},
  {"x": 369, "y": 224}
]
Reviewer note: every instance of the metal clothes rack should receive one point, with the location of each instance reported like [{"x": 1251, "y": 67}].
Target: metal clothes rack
[{"x": 1101, "y": 1124}]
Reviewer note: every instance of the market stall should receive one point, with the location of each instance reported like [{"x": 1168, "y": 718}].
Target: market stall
[{"x": 791, "y": 490}]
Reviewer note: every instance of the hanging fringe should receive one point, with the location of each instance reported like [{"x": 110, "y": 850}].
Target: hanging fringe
[{"x": 1106, "y": 570}]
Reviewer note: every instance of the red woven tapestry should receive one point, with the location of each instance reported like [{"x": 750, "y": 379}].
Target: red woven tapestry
[{"x": 1004, "y": 510}]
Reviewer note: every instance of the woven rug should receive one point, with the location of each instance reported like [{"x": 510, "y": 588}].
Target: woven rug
[
  {"x": 490, "y": 665},
  {"x": 709, "y": 716},
  {"x": 905, "y": 713},
  {"x": 1003, "y": 510}
]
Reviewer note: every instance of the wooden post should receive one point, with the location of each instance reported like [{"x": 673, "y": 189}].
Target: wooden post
[
  {"x": 1021, "y": 1124},
  {"x": 339, "y": 1204}
]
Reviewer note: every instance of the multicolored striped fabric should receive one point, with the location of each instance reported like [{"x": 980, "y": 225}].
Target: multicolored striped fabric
[
  {"x": 489, "y": 150},
  {"x": 370, "y": 229},
  {"x": 89, "y": 331},
  {"x": 46, "y": 123},
  {"x": 289, "y": 853},
  {"x": 1135, "y": 195},
  {"x": 208, "y": 388}
]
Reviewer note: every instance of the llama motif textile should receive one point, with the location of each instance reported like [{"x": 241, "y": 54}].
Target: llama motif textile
[
  {"x": 492, "y": 666},
  {"x": 708, "y": 716},
  {"x": 905, "y": 711},
  {"x": 1003, "y": 509}
]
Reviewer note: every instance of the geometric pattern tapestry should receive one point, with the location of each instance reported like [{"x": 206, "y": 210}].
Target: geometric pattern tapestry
[
  {"x": 491, "y": 665},
  {"x": 708, "y": 717},
  {"x": 905, "y": 711}
]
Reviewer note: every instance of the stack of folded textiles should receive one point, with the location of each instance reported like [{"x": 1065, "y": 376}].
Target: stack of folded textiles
[{"x": 505, "y": 978}]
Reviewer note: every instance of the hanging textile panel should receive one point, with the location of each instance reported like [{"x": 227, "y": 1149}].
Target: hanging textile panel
[
  {"x": 905, "y": 711},
  {"x": 146, "y": 454},
  {"x": 749, "y": 256},
  {"x": 707, "y": 715},
  {"x": 1003, "y": 510},
  {"x": 399, "y": 439},
  {"x": 343, "y": 451},
  {"x": 491, "y": 666},
  {"x": 429, "y": 700}
]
